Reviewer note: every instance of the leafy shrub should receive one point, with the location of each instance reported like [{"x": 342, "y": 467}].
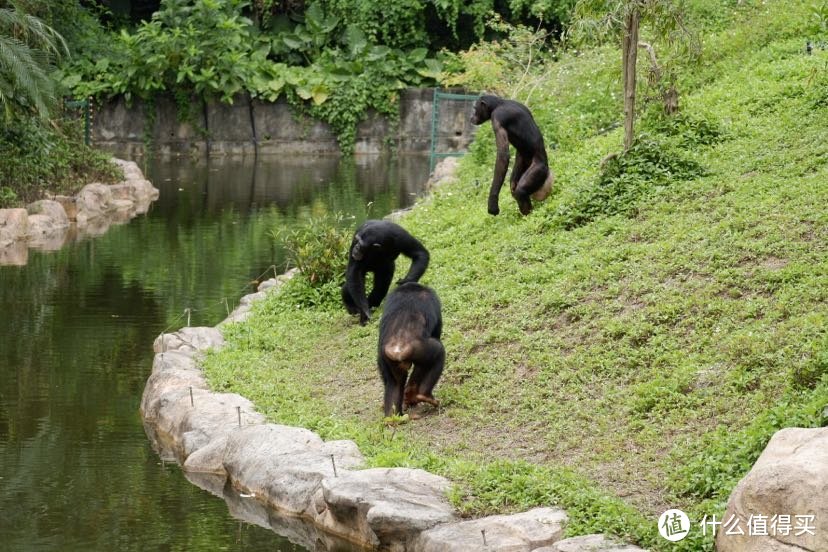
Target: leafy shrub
[
  {"x": 8, "y": 197},
  {"x": 511, "y": 67},
  {"x": 625, "y": 180},
  {"x": 210, "y": 49},
  {"x": 318, "y": 248},
  {"x": 690, "y": 130},
  {"x": 812, "y": 372},
  {"x": 39, "y": 158}
]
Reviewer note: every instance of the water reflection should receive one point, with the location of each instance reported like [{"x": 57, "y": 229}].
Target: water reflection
[{"x": 76, "y": 328}]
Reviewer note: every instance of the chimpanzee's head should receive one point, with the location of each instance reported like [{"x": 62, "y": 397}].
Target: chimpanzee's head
[
  {"x": 482, "y": 110},
  {"x": 364, "y": 244}
]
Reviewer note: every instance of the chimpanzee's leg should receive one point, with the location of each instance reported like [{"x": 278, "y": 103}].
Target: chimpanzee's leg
[
  {"x": 382, "y": 281},
  {"x": 427, "y": 371},
  {"x": 394, "y": 379},
  {"x": 531, "y": 181},
  {"x": 350, "y": 304},
  {"x": 521, "y": 164}
]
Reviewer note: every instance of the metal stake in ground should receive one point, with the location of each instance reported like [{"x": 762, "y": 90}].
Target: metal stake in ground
[
  {"x": 334, "y": 465},
  {"x": 192, "y": 402},
  {"x": 483, "y": 532},
  {"x": 238, "y": 411}
]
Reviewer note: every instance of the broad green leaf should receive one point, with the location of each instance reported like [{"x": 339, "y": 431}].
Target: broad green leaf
[
  {"x": 355, "y": 39},
  {"x": 417, "y": 54},
  {"x": 304, "y": 92},
  {"x": 292, "y": 42},
  {"x": 432, "y": 70},
  {"x": 71, "y": 81},
  {"x": 320, "y": 94},
  {"x": 378, "y": 52}
]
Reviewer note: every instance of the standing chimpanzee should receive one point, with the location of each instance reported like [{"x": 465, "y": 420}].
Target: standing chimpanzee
[
  {"x": 409, "y": 335},
  {"x": 513, "y": 124},
  {"x": 375, "y": 247}
]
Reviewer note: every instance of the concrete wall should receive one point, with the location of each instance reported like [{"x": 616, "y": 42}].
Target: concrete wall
[{"x": 250, "y": 126}]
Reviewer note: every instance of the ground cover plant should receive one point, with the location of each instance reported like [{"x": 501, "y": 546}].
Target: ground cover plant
[{"x": 634, "y": 342}]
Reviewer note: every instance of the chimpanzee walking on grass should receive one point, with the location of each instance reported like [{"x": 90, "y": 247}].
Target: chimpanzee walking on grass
[
  {"x": 375, "y": 247},
  {"x": 513, "y": 124},
  {"x": 409, "y": 337}
]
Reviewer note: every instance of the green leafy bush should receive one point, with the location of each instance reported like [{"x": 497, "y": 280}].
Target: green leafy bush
[
  {"x": 318, "y": 248},
  {"x": 205, "y": 48},
  {"x": 625, "y": 180},
  {"x": 8, "y": 197},
  {"x": 690, "y": 130},
  {"x": 39, "y": 158}
]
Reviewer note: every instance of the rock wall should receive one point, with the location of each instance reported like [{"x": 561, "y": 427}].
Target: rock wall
[
  {"x": 781, "y": 505},
  {"x": 51, "y": 223},
  {"x": 252, "y": 126}
]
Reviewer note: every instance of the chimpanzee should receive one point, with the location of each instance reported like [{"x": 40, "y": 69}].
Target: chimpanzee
[
  {"x": 375, "y": 247},
  {"x": 409, "y": 335},
  {"x": 513, "y": 124}
]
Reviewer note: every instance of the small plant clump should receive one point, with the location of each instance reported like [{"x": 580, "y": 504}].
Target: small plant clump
[{"x": 318, "y": 247}]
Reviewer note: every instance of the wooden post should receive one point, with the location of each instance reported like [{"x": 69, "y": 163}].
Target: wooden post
[{"x": 630, "y": 55}]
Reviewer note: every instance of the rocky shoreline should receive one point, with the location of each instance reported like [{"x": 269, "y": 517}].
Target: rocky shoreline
[
  {"x": 311, "y": 491},
  {"x": 49, "y": 224},
  {"x": 315, "y": 492}
]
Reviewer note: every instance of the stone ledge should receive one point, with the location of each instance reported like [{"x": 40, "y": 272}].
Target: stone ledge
[{"x": 49, "y": 224}]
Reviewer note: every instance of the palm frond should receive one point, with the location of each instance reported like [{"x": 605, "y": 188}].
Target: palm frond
[{"x": 27, "y": 47}]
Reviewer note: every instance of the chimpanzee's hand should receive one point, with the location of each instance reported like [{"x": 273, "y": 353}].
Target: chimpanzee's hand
[
  {"x": 493, "y": 207},
  {"x": 364, "y": 317}
]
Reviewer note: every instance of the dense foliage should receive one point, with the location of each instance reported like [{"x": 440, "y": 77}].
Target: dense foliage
[
  {"x": 39, "y": 152},
  {"x": 39, "y": 159},
  {"x": 213, "y": 50},
  {"x": 28, "y": 46},
  {"x": 318, "y": 247},
  {"x": 334, "y": 59}
]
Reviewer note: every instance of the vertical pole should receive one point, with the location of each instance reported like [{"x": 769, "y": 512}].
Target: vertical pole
[
  {"x": 434, "y": 110},
  {"x": 86, "y": 138},
  {"x": 630, "y": 54}
]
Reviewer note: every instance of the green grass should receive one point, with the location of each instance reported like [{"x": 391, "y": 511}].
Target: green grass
[{"x": 640, "y": 360}]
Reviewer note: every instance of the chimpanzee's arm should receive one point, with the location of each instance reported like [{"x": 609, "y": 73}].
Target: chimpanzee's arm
[
  {"x": 501, "y": 165},
  {"x": 355, "y": 280},
  {"x": 412, "y": 248}
]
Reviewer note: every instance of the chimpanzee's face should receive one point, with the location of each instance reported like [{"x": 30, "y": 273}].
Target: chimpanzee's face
[
  {"x": 363, "y": 245},
  {"x": 482, "y": 113}
]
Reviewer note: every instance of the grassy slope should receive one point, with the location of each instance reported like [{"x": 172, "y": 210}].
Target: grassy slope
[{"x": 628, "y": 365}]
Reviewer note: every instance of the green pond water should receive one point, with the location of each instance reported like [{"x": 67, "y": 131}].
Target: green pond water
[{"x": 77, "y": 471}]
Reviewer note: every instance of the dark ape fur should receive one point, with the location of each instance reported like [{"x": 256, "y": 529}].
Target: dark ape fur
[
  {"x": 513, "y": 124},
  {"x": 375, "y": 247},
  {"x": 410, "y": 330}
]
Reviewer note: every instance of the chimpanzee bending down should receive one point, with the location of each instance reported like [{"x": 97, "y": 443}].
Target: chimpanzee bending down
[
  {"x": 409, "y": 336},
  {"x": 513, "y": 124},
  {"x": 375, "y": 247}
]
